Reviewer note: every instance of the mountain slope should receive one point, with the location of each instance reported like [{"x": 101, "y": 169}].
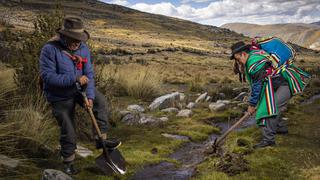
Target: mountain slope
[{"x": 306, "y": 35}]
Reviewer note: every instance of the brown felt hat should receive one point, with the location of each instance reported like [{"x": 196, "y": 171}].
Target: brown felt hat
[
  {"x": 238, "y": 47},
  {"x": 73, "y": 27}
]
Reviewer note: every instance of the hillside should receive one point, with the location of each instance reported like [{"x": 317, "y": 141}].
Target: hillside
[
  {"x": 306, "y": 35},
  {"x": 141, "y": 59}
]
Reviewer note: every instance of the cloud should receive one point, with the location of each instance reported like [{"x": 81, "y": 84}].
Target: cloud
[
  {"x": 219, "y": 12},
  {"x": 118, "y": 2}
]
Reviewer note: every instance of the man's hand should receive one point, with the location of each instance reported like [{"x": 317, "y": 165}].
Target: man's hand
[
  {"x": 251, "y": 109},
  {"x": 83, "y": 80}
]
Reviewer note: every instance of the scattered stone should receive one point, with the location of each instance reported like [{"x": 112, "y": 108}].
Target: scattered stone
[
  {"x": 222, "y": 95},
  {"x": 52, "y": 174},
  {"x": 8, "y": 162},
  {"x": 170, "y": 110},
  {"x": 123, "y": 113},
  {"x": 182, "y": 96},
  {"x": 241, "y": 96},
  {"x": 130, "y": 118},
  {"x": 136, "y": 108},
  {"x": 147, "y": 119},
  {"x": 201, "y": 98},
  {"x": 191, "y": 105},
  {"x": 224, "y": 101},
  {"x": 208, "y": 98},
  {"x": 83, "y": 151},
  {"x": 164, "y": 119},
  {"x": 185, "y": 113},
  {"x": 166, "y": 101},
  {"x": 173, "y": 136},
  {"x": 217, "y": 106}
]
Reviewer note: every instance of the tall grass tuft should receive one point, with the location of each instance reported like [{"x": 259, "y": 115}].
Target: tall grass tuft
[{"x": 131, "y": 80}]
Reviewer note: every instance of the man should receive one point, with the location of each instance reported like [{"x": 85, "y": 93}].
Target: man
[
  {"x": 271, "y": 89},
  {"x": 65, "y": 61}
]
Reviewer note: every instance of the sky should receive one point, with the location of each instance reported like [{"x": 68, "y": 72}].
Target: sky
[{"x": 219, "y": 12}]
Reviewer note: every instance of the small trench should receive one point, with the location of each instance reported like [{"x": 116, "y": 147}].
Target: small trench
[{"x": 189, "y": 156}]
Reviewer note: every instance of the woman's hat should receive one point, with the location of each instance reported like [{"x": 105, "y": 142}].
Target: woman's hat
[{"x": 238, "y": 47}]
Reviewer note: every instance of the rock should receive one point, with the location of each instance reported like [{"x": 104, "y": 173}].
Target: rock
[
  {"x": 52, "y": 174},
  {"x": 136, "y": 108},
  {"x": 208, "y": 98},
  {"x": 222, "y": 95},
  {"x": 147, "y": 119},
  {"x": 201, "y": 98},
  {"x": 217, "y": 106},
  {"x": 123, "y": 113},
  {"x": 191, "y": 105},
  {"x": 240, "y": 96},
  {"x": 8, "y": 162},
  {"x": 173, "y": 136},
  {"x": 185, "y": 113},
  {"x": 224, "y": 101},
  {"x": 165, "y": 101},
  {"x": 83, "y": 151},
  {"x": 164, "y": 119},
  {"x": 170, "y": 110},
  {"x": 182, "y": 96},
  {"x": 131, "y": 118}
]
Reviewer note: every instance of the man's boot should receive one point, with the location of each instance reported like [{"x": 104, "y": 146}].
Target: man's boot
[
  {"x": 109, "y": 143},
  {"x": 68, "y": 166}
]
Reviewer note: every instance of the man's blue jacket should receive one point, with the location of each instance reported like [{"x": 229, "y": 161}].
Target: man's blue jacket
[{"x": 59, "y": 72}]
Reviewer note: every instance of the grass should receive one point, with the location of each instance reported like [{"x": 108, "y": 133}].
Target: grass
[{"x": 295, "y": 156}]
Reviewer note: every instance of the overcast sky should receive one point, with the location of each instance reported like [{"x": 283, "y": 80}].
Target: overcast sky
[{"x": 219, "y": 12}]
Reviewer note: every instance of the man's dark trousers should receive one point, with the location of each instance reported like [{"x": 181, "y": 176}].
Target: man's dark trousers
[{"x": 64, "y": 112}]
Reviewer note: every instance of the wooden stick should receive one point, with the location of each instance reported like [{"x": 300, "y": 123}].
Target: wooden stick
[{"x": 224, "y": 135}]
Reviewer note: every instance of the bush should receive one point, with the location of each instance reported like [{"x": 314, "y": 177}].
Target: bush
[{"x": 25, "y": 49}]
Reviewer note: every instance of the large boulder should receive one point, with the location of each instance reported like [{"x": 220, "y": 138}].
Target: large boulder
[
  {"x": 185, "y": 113},
  {"x": 136, "y": 108},
  {"x": 52, "y": 174},
  {"x": 166, "y": 101},
  {"x": 202, "y": 97}
]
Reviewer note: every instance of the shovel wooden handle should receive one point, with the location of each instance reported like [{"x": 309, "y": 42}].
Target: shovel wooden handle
[
  {"x": 224, "y": 135},
  {"x": 93, "y": 119}
]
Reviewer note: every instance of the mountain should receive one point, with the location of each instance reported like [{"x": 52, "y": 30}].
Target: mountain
[
  {"x": 105, "y": 19},
  {"x": 316, "y": 23},
  {"x": 306, "y": 35}
]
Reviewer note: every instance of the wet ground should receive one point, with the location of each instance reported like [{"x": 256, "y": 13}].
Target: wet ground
[{"x": 189, "y": 156}]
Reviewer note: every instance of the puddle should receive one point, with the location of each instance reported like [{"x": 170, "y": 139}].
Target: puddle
[{"x": 189, "y": 156}]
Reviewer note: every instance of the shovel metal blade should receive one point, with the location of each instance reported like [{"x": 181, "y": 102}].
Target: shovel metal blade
[{"x": 111, "y": 162}]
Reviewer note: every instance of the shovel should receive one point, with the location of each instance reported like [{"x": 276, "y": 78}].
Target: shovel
[
  {"x": 217, "y": 141},
  {"x": 110, "y": 161}
]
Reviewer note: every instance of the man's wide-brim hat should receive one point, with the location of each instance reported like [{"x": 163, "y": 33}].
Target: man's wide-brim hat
[
  {"x": 73, "y": 28},
  {"x": 238, "y": 47}
]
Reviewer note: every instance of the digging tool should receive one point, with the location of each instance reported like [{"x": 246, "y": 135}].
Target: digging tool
[
  {"x": 217, "y": 141},
  {"x": 110, "y": 161}
]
